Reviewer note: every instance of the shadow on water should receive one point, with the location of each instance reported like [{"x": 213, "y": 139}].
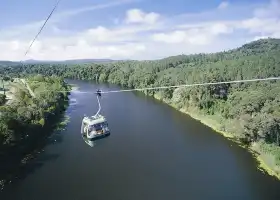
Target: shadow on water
[
  {"x": 17, "y": 163},
  {"x": 93, "y": 142}
]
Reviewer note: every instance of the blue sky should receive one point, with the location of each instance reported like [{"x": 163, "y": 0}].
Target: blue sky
[{"x": 133, "y": 29}]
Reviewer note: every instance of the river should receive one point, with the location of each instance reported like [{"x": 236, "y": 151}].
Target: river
[{"x": 154, "y": 153}]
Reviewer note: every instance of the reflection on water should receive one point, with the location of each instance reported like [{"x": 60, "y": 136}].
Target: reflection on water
[
  {"x": 91, "y": 143},
  {"x": 80, "y": 92},
  {"x": 73, "y": 102}
]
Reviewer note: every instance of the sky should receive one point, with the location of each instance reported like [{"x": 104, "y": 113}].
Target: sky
[{"x": 132, "y": 29}]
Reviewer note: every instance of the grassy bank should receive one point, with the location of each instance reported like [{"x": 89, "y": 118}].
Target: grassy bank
[{"x": 265, "y": 160}]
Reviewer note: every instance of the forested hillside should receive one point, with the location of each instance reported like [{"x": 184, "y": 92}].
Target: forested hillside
[{"x": 248, "y": 111}]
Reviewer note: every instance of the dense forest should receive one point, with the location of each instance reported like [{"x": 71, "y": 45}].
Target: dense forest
[
  {"x": 28, "y": 115},
  {"x": 248, "y": 111},
  {"x": 26, "y": 112}
]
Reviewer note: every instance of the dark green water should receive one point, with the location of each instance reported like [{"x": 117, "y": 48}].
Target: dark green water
[{"x": 154, "y": 153}]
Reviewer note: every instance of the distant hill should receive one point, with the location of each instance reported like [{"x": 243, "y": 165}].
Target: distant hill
[
  {"x": 76, "y": 61},
  {"x": 257, "y": 47},
  {"x": 5, "y": 63}
]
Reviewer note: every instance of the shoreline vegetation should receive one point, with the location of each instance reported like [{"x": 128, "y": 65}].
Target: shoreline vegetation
[
  {"x": 248, "y": 113},
  {"x": 36, "y": 109},
  {"x": 262, "y": 164}
]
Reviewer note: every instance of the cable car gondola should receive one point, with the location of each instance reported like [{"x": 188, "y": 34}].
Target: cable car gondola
[{"x": 95, "y": 126}]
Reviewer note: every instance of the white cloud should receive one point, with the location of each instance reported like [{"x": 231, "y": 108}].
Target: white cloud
[
  {"x": 223, "y": 5},
  {"x": 14, "y": 45},
  {"x": 78, "y": 11},
  {"x": 220, "y": 28},
  {"x": 255, "y": 25},
  {"x": 173, "y": 37},
  {"x": 147, "y": 35},
  {"x": 268, "y": 11},
  {"x": 138, "y": 16},
  {"x": 187, "y": 37},
  {"x": 200, "y": 35}
]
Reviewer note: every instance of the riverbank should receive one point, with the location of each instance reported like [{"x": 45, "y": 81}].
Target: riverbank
[
  {"x": 15, "y": 160},
  {"x": 27, "y": 138},
  {"x": 264, "y": 161}
]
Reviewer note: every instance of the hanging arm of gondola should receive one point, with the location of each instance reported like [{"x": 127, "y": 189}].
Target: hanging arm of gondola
[
  {"x": 98, "y": 95},
  {"x": 98, "y": 92}
]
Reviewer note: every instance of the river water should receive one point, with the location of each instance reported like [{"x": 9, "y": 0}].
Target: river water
[{"x": 154, "y": 153}]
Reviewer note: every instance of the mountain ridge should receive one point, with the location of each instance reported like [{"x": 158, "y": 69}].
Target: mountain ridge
[{"x": 71, "y": 61}]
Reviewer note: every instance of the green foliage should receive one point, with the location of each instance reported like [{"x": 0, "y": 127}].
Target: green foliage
[
  {"x": 42, "y": 121},
  {"x": 272, "y": 150},
  {"x": 24, "y": 113}
]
